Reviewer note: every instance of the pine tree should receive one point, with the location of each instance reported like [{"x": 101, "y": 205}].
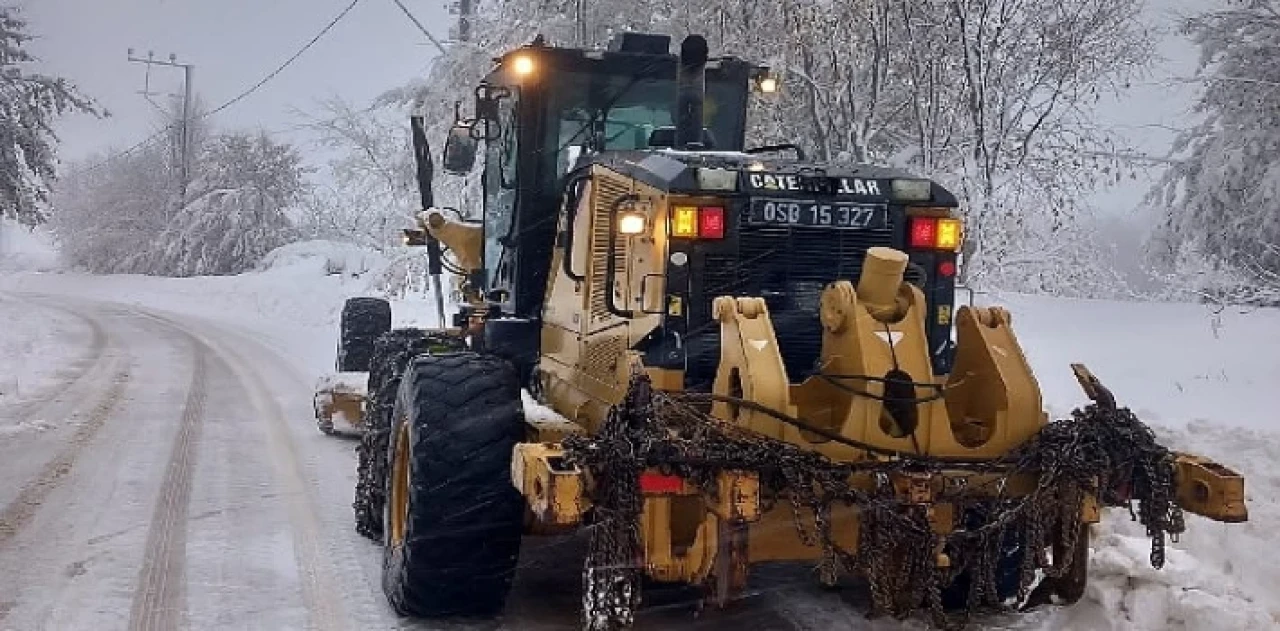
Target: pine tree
[
  {"x": 29, "y": 104},
  {"x": 1222, "y": 199}
]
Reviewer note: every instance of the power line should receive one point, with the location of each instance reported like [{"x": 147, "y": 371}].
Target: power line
[
  {"x": 240, "y": 97},
  {"x": 127, "y": 152},
  {"x": 288, "y": 62},
  {"x": 418, "y": 24}
]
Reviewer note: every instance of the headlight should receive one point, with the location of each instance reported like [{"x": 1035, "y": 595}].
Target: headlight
[
  {"x": 523, "y": 65},
  {"x": 913, "y": 190},
  {"x": 765, "y": 81},
  {"x": 632, "y": 222}
]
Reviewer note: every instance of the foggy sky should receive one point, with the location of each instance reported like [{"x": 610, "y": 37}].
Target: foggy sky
[{"x": 233, "y": 44}]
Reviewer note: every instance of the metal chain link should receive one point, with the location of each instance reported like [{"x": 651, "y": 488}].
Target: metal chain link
[{"x": 1096, "y": 451}]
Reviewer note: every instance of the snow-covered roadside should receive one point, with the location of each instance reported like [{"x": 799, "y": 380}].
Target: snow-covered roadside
[
  {"x": 1170, "y": 363},
  {"x": 36, "y": 344},
  {"x": 293, "y": 301},
  {"x": 22, "y": 248},
  {"x": 1204, "y": 380}
]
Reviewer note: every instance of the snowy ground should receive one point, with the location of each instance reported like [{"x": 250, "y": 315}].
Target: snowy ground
[
  {"x": 39, "y": 347},
  {"x": 160, "y": 456}
]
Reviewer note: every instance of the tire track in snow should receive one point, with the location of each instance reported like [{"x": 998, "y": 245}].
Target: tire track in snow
[
  {"x": 321, "y": 594},
  {"x": 29, "y": 500},
  {"x": 159, "y": 602},
  {"x": 319, "y": 587}
]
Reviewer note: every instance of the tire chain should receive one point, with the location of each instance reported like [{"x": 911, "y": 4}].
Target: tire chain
[
  {"x": 1096, "y": 451},
  {"x": 392, "y": 353}
]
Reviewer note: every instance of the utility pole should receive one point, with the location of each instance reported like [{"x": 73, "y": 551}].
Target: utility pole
[
  {"x": 464, "y": 20},
  {"x": 580, "y": 18},
  {"x": 185, "y": 140}
]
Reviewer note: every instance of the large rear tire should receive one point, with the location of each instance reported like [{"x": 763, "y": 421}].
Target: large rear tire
[
  {"x": 364, "y": 320},
  {"x": 454, "y": 520},
  {"x": 392, "y": 353}
]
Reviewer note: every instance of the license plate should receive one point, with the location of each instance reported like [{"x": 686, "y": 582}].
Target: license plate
[{"x": 778, "y": 212}]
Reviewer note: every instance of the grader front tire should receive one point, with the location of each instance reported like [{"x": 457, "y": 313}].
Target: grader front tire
[
  {"x": 453, "y": 519},
  {"x": 392, "y": 353}
]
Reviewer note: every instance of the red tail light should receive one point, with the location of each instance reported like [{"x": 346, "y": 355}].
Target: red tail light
[
  {"x": 924, "y": 232},
  {"x": 711, "y": 222},
  {"x": 947, "y": 269}
]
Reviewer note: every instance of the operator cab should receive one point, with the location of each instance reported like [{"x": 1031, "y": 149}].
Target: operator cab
[
  {"x": 542, "y": 110},
  {"x": 551, "y": 118}
]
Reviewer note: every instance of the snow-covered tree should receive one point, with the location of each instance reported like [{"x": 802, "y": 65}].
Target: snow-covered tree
[
  {"x": 108, "y": 212},
  {"x": 368, "y": 190},
  {"x": 125, "y": 216},
  {"x": 1222, "y": 199},
  {"x": 29, "y": 104},
  {"x": 236, "y": 208}
]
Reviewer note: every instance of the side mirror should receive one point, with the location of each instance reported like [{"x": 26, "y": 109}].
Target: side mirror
[{"x": 459, "y": 150}]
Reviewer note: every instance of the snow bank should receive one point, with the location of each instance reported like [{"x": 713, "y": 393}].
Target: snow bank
[
  {"x": 23, "y": 249},
  {"x": 35, "y": 343},
  {"x": 1205, "y": 381},
  {"x": 302, "y": 283},
  {"x": 334, "y": 258},
  {"x": 293, "y": 300},
  {"x": 1170, "y": 363},
  {"x": 1126, "y": 593}
]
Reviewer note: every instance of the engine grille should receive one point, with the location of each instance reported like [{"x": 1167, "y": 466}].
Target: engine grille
[{"x": 788, "y": 267}]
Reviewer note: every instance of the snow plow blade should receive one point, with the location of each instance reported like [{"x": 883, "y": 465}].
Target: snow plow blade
[{"x": 339, "y": 402}]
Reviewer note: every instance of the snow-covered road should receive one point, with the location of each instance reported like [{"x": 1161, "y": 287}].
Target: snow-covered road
[
  {"x": 171, "y": 486},
  {"x": 161, "y": 470}
]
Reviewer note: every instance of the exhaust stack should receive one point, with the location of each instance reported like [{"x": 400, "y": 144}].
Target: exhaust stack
[{"x": 691, "y": 89}]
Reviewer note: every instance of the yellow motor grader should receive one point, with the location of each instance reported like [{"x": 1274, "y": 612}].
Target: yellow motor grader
[{"x": 752, "y": 358}]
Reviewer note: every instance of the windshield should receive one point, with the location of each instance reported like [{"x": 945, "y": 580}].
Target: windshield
[{"x": 619, "y": 112}]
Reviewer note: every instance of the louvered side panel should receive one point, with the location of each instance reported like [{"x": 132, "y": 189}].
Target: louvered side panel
[
  {"x": 607, "y": 190},
  {"x": 600, "y": 361}
]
